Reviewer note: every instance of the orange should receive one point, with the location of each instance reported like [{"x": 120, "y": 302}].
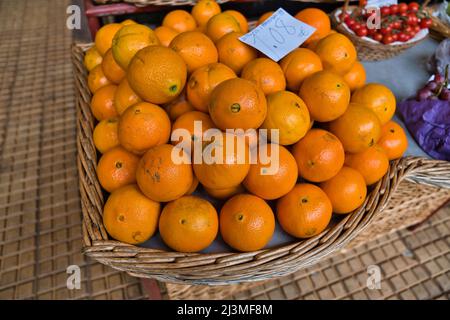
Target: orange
[
  {"x": 356, "y": 76},
  {"x": 337, "y": 52},
  {"x": 105, "y": 35},
  {"x": 187, "y": 122},
  {"x": 102, "y": 103},
  {"x": 116, "y": 168},
  {"x": 319, "y": 155},
  {"x": 241, "y": 19},
  {"x": 289, "y": 114},
  {"x": 266, "y": 73},
  {"x": 195, "y": 48},
  {"x": 129, "y": 40},
  {"x": 315, "y": 18},
  {"x": 222, "y": 166},
  {"x": 163, "y": 178},
  {"x": 371, "y": 163},
  {"x": 298, "y": 65},
  {"x": 226, "y": 192},
  {"x": 234, "y": 53},
  {"x": 111, "y": 69},
  {"x": 264, "y": 17},
  {"x": 178, "y": 107},
  {"x": 92, "y": 58},
  {"x": 129, "y": 216},
  {"x": 105, "y": 135},
  {"x": 221, "y": 24},
  {"x": 142, "y": 126},
  {"x": 188, "y": 224},
  {"x": 128, "y": 22},
  {"x": 305, "y": 211},
  {"x": 239, "y": 104},
  {"x": 165, "y": 35},
  {"x": 193, "y": 186},
  {"x": 347, "y": 190},
  {"x": 393, "y": 140},
  {"x": 203, "y": 81},
  {"x": 326, "y": 94},
  {"x": 377, "y": 97},
  {"x": 204, "y": 10},
  {"x": 358, "y": 128},
  {"x": 180, "y": 21},
  {"x": 124, "y": 97},
  {"x": 97, "y": 79},
  {"x": 274, "y": 179},
  {"x": 157, "y": 74},
  {"x": 246, "y": 223}
]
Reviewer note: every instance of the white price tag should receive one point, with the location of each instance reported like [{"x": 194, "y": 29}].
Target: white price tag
[
  {"x": 380, "y": 3},
  {"x": 278, "y": 35}
]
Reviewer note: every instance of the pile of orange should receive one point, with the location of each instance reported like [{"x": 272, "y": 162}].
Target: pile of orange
[{"x": 335, "y": 134}]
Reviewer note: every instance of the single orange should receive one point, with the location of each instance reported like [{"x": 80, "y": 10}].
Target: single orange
[
  {"x": 220, "y": 25},
  {"x": 105, "y": 135},
  {"x": 298, "y": 65},
  {"x": 246, "y": 223},
  {"x": 129, "y": 40},
  {"x": 204, "y": 10},
  {"x": 326, "y": 95},
  {"x": 102, "y": 103},
  {"x": 305, "y": 211},
  {"x": 165, "y": 35},
  {"x": 187, "y": 122},
  {"x": 125, "y": 97},
  {"x": 195, "y": 48},
  {"x": 203, "y": 81},
  {"x": 97, "y": 79},
  {"x": 157, "y": 74},
  {"x": 235, "y": 53},
  {"x": 275, "y": 176},
  {"x": 393, "y": 140},
  {"x": 111, "y": 69},
  {"x": 105, "y": 35},
  {"x": 223, "y": 164},
  {"x": 129, "y": 216},
  {"x": 264, "y": 17},
  {"x": 319, "y": 155},
  {"x": 337, "y": 52},
  {"x": 225, "y": 193},
  {"x": 378, "y": 98},
  {"x": 178, "y": 107},
  {"x": 241, "y": 19},
  {"x": 356, "y": 76},
  {"x": 164, "y": 173},
  {"x": 142, "y": 126},
  {"x": 358, "y": 128},
  {"x": 116, "y": 168},
  {"x": 288, "y": 114},
  {"x": 180, "y": 21},
  {"x": 92, "y": 58},
  {"x": 315, "y": 18},
  {"x": 239, "y": 104},
  {"x": 347, "y": 190},
  {"x": 188, "y": 224},
  {"x": 266, "y": 73},
  {"x": 372, "y": 163}
]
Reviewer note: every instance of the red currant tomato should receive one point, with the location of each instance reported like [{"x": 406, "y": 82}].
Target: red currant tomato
[
  {"x": 362, "y": 32},
  {"x": 407, "y": 29},
  {"x": 425, "y": 23},
  {"x": 362, "y": 3},
  {"x": 385, "y": 30},
  {"x": 385, "y": 11},
  {"x": 356, "y": 27},
  {"x": 394, "y": 37},
  {"x": 416, "y": 29},
  {"x": 413, "y": 7},
  {"x": 344, "y": 15},
  {"x": 349, "y": 22},
  {"x": 378, "y": 37},
  {"x": 402, "y": 7},
  {"x": 393, "y": 8},
  {"x": 402, "y": 37},
  {"x": 412, "y": 19},
  {"x": 387, "y": 39}
]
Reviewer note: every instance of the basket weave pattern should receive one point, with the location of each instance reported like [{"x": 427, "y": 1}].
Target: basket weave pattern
[{"x": 222, "y": 268}]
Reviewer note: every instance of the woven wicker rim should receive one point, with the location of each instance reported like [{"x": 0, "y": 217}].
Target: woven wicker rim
[{"x": 221, "y": 268}]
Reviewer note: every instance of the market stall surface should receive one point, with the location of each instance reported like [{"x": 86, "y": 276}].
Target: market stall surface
[{"x": 40, "y": 220}]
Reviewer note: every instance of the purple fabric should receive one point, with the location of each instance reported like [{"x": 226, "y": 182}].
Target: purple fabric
[{"x": 429, "y": 123}]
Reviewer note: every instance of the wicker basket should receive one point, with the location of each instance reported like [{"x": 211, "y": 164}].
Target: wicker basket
[
  {"x": 222, "y": 268},
  {"x": 369, "y": 51}
]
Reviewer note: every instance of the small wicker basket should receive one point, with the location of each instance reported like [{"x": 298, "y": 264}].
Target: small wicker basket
[
  {"x": 369, "y": 51},
  {"x": 229, "y": 267}
]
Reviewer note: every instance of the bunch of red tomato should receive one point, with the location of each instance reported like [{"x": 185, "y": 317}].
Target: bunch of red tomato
[{"x": 399, "y": 22}]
